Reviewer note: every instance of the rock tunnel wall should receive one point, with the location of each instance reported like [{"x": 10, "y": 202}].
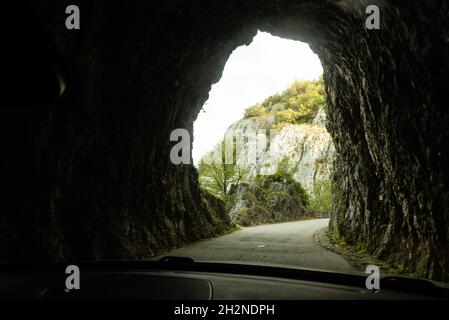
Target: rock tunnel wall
[
  {"x": 99, "y": 182},
  {"x": 387, "y": 114}
]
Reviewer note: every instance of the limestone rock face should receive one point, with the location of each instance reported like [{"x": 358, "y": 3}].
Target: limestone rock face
[
  {"x": 308, "y": 149},
  {"x": 89, "y": 176},
  {"x": 304, "y": 151}
]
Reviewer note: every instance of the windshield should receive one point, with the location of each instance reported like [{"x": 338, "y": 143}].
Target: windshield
[{"x": 310, "y": 136}]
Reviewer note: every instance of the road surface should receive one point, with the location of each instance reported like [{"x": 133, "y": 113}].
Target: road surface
[{"x": 286, "y": 244}]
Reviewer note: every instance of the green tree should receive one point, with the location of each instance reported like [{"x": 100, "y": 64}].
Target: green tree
[
  {"x": 220, "y": 177},
  {"x": 321, "y": 200}
]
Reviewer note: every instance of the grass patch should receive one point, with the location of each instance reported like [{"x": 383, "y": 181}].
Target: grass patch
[
  {"x": 359, "y": 258},
  {"x": 231, "y": 230}
]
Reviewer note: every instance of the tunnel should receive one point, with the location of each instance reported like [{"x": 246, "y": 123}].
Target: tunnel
[{"x": 88, "y": 176}]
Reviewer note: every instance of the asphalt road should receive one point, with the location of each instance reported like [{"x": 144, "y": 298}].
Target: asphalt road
[{"x": 285, "y": 244}]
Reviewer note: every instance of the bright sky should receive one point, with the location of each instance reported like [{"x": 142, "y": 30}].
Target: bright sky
[{"x": 252, "y": 73}]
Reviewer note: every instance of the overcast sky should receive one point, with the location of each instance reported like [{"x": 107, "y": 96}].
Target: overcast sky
[{"x": 267, "y": 66}]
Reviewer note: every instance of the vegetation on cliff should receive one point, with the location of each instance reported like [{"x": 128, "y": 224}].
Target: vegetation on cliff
[
  {"x": 270, "y": 199},
  {"x": 297, "y": 104},
  {"x": 219, "y": 176},
  {"x": 253, "y": 196}
]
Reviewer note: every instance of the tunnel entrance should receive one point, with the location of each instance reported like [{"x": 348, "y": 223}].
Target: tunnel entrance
[{"x": 260, "y": 142}]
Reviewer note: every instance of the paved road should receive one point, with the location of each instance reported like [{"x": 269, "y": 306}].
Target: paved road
[{"x": 288, "y": 244}]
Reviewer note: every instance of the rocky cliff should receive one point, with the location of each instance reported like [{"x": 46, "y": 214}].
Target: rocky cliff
[{"x": 304, "y": 150}]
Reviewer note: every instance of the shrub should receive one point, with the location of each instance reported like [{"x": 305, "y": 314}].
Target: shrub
[
  {"x": 286, "y": 116},
  {"x": 255, "y": 111},
  {"x": 272, "y": 100}
]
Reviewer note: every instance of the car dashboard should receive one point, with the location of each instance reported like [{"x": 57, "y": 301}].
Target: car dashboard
[{"x": 188, "y": 280}]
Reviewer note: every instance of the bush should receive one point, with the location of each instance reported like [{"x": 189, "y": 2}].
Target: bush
[
  {"x": 286, "y": 116},
  {"x": 272, "y": 100},
  {"x": 255, "y": 111}
]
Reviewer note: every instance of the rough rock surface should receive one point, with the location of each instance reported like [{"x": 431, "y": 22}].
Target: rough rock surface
[
  {"x": 308, "y": 149},
  {"x": 268, "y": 199},
  {"x": 90, "y": 176}
]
